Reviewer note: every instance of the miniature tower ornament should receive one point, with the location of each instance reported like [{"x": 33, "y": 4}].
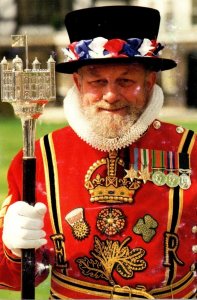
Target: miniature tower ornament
[{"x": 28, "y": 90}]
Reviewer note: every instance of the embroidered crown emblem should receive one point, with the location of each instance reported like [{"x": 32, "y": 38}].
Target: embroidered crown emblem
[{"x": 103, "y": 183}]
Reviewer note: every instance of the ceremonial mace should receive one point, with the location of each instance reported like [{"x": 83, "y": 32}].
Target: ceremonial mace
[{"x": 28, "y": 90}]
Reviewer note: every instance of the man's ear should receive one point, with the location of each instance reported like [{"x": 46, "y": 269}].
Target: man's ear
[
  {"x": 76, "y": 78},
  {"x": 151, "y": 80}
]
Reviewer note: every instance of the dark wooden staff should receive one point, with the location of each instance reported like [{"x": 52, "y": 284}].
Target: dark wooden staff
[{"x": 29, "y": 178}]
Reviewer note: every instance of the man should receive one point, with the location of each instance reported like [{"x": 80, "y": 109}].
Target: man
[{"x": 116, "y": 191}]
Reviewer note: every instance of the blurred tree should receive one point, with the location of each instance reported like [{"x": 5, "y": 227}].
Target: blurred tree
[{"x": 42, "y": 12}]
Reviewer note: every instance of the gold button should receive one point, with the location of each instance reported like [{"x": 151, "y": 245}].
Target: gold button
[
  {"x": 194, "y": 248},
  {"x": 156, "y": 124},
  {"x": 179, "y": 129},
  {"x": 194, "y": 229},
  {"x": 193, "y": 267}
]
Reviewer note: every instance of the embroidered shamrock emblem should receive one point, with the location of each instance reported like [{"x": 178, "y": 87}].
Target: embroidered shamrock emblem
[{"x": 146, "y": 227}]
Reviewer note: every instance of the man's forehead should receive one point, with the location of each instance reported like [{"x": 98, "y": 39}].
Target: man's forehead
[{"x": 125, "y": 67}]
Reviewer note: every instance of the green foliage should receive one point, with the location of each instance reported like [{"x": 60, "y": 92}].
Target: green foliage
[
  {"x": 41, "y": 292},
  {"x": 11, "y": 143}
]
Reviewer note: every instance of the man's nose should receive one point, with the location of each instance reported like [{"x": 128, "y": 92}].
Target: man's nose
[{"x": 110, "y": 94}]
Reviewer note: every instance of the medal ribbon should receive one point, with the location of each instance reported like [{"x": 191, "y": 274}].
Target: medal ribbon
[
  {"x": 158, "y": 160},
  {"x": 161, "y": 160},
  {"x": 144, "y": 159},
  {"x": 184, "y": 161},
  {"x": 136, "y": 156},
  {"x": 172, "y": 161}
]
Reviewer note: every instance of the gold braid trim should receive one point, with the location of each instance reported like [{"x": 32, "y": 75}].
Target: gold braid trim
[{"x": 94, "y": 289}]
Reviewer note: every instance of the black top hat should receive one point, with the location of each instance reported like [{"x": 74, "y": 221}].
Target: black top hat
[{"x": 111, "y": 34}]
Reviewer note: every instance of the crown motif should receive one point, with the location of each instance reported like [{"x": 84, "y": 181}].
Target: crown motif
[{"x": 110, "y": 188}]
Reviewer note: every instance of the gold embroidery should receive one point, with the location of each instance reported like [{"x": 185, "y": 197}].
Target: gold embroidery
[
  {"x": 110, "y": 188},
  {"x": 171, "y": 247},
  {"x": 109, "y": 256},
  {"x": 146, "y": 227},
  {"x": 80, "y": 228},
  {"x": 110, "y": 221},
  {"x": 58, "y": 241}
]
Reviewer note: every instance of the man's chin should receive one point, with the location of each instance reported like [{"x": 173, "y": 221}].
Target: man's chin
[
  {"x": 110, "y": 124},
  {"x": 110, "y": 129}
]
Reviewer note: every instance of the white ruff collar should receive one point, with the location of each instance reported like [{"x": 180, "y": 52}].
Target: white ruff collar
[{"x": 83, "y": 129}]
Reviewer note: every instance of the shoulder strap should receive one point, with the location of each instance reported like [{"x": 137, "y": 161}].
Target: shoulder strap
[
  {"x": 52, "y": 189},
  {"x": 175, "y": 209}
]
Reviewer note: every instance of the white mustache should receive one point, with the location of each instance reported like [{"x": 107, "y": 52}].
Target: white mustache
[{"x": 110, "y": 106}]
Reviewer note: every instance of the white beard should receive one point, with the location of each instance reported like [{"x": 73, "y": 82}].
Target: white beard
[
  {"x": 110, "y": 125},
  {"x": 125, "y": 130}
]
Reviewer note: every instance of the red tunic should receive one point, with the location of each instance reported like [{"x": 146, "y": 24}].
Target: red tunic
[{"x": 108, "y": 234}]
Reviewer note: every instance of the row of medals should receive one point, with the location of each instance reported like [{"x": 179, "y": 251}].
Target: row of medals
[
  {"x": 171, "y": 179},
  {"x": 160, "y": 177}
]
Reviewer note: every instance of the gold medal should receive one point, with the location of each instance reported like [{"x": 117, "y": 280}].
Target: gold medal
[
  {"x": 145, "y": 175},
  {"x": 131, "y": 174}
]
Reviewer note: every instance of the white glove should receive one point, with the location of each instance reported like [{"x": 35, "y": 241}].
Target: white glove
[{"x": 23, "y": 225}]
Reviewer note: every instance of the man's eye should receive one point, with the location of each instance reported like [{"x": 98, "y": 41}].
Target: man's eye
[
  {"x": 97, "y": 83},
  {"x": 125, "y": 82}
]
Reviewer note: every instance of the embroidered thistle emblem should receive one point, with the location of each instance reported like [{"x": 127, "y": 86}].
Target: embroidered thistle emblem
[
  {"x": 80, "y": 228},
  {"x": 110, "y": 221},
  {"x": 146, "y": 228},
  {"x": 110, "y": 256}
]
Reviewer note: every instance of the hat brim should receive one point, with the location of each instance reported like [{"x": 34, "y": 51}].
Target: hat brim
[{"x": 155, "y": 64}]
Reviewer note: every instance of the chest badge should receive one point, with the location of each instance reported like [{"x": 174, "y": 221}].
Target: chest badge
[
  {"x": 110, "y": 221},
  {"x": 80, "y": 228},
  {"x": 146, "y": 227},
  {"x": 106, "y": 182},
  {"x": 112, "y": 257}
]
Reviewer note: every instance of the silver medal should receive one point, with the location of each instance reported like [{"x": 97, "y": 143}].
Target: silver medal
[
  {"x": 185, "y": 181},
  {"x": 172, "y": 180},
  {"x": 159, "y": 178}
]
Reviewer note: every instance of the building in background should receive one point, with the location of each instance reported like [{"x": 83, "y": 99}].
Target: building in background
[{"x": 43, "y": 21}]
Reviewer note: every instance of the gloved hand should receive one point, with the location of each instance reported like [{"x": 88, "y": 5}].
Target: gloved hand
[{"x": 23, "y": 225}]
